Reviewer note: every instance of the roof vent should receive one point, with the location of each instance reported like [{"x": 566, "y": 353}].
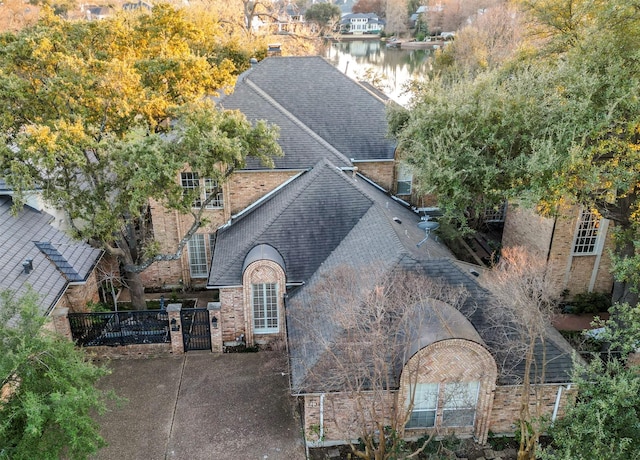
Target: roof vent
[
  {"x": 27, "y": 266},
  {"x": 253, "y": 61},
  {"x": 474, "y": 272}
]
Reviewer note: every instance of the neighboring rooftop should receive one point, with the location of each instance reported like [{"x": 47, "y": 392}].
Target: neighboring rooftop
[{"x": 56, "y": 259}]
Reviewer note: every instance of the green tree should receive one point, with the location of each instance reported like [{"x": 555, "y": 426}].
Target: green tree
[
  {"x": 557, "y": 123},
  {"x": 47, "y": 392},
  {"x": 604, "y": 422},
  {"x": 103, "y": 115},
  {"x": 323, "y": 15}
]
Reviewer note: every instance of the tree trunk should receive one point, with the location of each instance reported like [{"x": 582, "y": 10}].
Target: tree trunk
[
  {"x": 622, "y": 292},
  {"x": 136, "y": 288}
]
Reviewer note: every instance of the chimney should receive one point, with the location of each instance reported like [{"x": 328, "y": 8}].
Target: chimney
[{"x": 27, "y": 265}]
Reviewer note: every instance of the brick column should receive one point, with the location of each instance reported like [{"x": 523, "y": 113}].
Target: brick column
[
  {"x": 216, "y": 326},
  {"x": 177, "y": 344},
  {"x": 60, "y": 319}
]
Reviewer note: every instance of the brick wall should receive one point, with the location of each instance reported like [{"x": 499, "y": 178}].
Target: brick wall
[
  {"x": 506, "y": 405},
  {"x": 574, "y": 272},
  {"x": 554, "y": 239},
  {"x": 380, "y": 172},
  {"x": 149, "y": 350},
  {"x": 246, "y": 187},
  {"x": 76, "y": 297},
  {"x": 523, "y": 227},
  {"x": 340, "y": 415},
  {"x": 232, "y": 313},
  {"x": 447, "y": 361}
]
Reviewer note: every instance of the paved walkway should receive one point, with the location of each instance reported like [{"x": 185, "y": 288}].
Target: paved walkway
[
  {"x": 564, "y": 322},
  {"x": 201, "y": 406}
]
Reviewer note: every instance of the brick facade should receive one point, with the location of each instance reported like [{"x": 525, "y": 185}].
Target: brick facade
[
  {"x": 380, "y": 172},
  {"x": 232, "y": 313},
  {"x": 506, "y": 404},
  {"x": 246, "y": 187},
  {"x": 169, "y": 227},
  {"x": 263, "y": 271},
  {"x": 76, "y": 296},
  {"x": 448, "y": 361},
  {"x": 553, "y": 238}
]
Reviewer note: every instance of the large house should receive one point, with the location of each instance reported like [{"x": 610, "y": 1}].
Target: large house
[
  {"x": 313, "y": 104},
  {"x": 330, "y": 203},
  {"x": 268, "y": 261}
]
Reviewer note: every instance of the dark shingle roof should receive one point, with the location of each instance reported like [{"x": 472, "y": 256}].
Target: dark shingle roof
[
  {"x": 57, "y": 259},
  {"x": 302, "y": 147},
  {"x": 325, "y": 219},
  {"x": 304, "y": 222},
  {"x": 313, "y": 92}
]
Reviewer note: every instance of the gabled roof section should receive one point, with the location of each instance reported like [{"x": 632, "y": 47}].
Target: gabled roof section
[
  {"x": 302, "y": 147},
  {"x": 311, "y": 91},
  {"x": 57, "y": 259},
  {"x": 304, "y": 221}
]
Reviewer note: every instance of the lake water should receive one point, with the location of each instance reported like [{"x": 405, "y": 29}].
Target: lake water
[{"x": 392, "y": 66}]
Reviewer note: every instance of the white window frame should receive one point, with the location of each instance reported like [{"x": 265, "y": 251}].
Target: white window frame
[
  {"x": 205, "y": 186},
  {"x": 425, "y": 405},
  {"x": 586, "y": 241},
  {"x": 404, "y": 178},
  {"x": 265, "y": 308},
  {"x": 198, "y": 261},
  {"x": 210, "y": 186},
  {"x": 460, "y": 401},
  {"x": 190, "y": 181}
]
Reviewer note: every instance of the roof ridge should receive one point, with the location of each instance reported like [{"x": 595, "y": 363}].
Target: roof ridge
[
  {"x": 296, "y": 120},
  {"x": 354, "y": 81}
]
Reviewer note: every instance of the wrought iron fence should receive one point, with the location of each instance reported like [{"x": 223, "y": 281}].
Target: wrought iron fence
[{"x": 120, "y": 328}]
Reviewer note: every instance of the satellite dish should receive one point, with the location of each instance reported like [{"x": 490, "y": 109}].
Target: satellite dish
[{"x": 428, "y": 225}]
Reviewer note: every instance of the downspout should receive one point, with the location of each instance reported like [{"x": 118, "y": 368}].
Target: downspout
[
  {"x": 557, "y": 404},
  {"x": 321, "y": 418}
]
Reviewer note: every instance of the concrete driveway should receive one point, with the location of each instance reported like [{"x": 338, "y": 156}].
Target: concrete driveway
[{"x": 202, "y": 406}]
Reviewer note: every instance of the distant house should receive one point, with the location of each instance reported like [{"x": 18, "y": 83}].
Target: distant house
[
  {"x": 361, "y": 23},
  {"x": 139, "y": 5},
  {"x": 96, "y": 13},
  {"x": 35, "y": 254}
]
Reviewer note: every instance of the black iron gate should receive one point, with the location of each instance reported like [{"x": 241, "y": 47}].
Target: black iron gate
[{"x": 196, "y": 334}]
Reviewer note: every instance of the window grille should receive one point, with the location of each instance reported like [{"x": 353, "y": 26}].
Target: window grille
[
  {"x": 265, "y": 308},
  {"x": 460, "y": 401},
  {"x": 197, "y": 256},
  {"x": 211, "y": 187},
  {"x": 190, "y": 186},
  {"x": 425, "y": 405},
  {"x": 586, "y": 240}
]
